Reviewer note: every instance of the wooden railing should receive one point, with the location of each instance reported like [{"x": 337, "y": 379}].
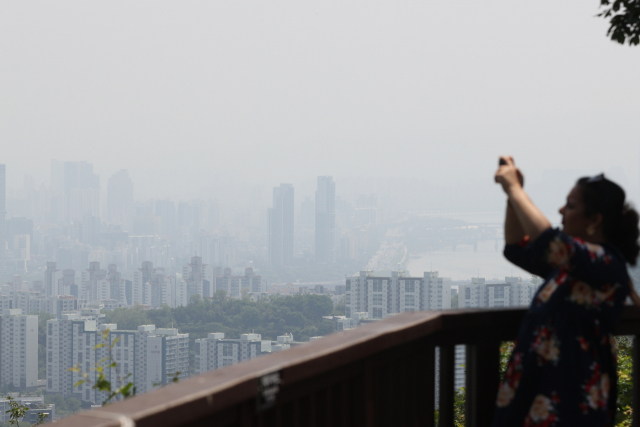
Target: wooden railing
[{"x": 382, "y": 374}]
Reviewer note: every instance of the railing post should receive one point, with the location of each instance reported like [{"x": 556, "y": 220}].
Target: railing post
[
  {"x": 482, "y": 381},
  {"x": 447, "y": 386},
  {"x": 427, "y": 380}
]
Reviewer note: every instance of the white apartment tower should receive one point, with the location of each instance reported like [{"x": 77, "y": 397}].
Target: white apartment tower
[
  {"x": 382, "y": 296},
  {"x": 215, "y": 352},
  {"x": 235, "y": 286},
  {"x": 18, "y": 349},
  {"x": 199, "y": 278},
  {"x": 152, "y": 356}
]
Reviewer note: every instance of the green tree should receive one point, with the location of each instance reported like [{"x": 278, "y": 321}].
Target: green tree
[
  {"x": 624, "y": 20},
  {"x": 17, "y": 412},
  {"x": 625, "y": 382},
  {"x": 128, "y": 318}
]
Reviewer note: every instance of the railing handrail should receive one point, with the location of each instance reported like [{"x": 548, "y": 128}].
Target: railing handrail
[{"x": 212, "y": 392}]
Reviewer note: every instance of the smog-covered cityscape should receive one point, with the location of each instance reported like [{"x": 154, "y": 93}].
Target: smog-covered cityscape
[{"x": 185, "y": 189}]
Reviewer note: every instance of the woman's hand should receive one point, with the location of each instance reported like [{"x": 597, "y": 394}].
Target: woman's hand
[{"x": 508, "y": 175}]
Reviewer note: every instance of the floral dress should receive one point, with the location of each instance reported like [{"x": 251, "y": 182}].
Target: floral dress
[{"x": 562, "y": 371}]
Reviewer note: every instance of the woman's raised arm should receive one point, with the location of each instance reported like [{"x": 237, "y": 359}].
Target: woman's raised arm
[{"x": 530, "y": 219}]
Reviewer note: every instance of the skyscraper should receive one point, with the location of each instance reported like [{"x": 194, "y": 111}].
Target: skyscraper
[
  {"x": 325, "y": 220},
  {"x": 81, "y": 189},
  {"x": 120, "y": 199},
  {"x": 281, "y": 226},
  {"x": 3, "y": 213}
]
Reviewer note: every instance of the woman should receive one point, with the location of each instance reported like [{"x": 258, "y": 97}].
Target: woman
[{"x": 562, "y": 371}]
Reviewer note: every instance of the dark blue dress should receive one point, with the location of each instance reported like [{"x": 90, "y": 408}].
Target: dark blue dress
[{"x": 562, "y": 371}]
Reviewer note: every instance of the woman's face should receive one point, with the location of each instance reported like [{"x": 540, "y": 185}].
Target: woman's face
[{"x": 574, "y": 221}]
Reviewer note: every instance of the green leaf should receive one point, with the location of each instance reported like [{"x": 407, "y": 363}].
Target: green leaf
[{"x": 79, "y": 383}]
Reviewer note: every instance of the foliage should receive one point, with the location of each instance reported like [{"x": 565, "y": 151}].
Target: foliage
[
  {"x": 300, "y": 315},
  {"x": 454, "y": 301},
  {"x": 459, "y": 409},
  {"x": 339, "y": 308},
  {"x": 625, "y": 381},
  {"x": 505, "y": 354},
  {"x": 17, "y": 412},
  {"x": 624, "y": 20},
  {"x": 42, "y": 342},
  {"x": 124, "y": 389}
]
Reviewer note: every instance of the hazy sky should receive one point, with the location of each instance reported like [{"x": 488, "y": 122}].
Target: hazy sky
[{"x": 270, "y": 92}]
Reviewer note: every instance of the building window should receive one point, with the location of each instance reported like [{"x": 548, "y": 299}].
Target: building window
[
  {"x": 198, "y": 348},
  {"x": 227, "y": 362},
  {"x": 88, "y": 339},
  {"x": 377, "y": 299},
  {"x": 498, "y": 292},
  {"x": 377, "y": 313},
  {"x": 409, "y": 300},
  {"x": 467, "y": 293},
  {"x": 409, "y": 286},
  {"x": 50, "y": 357},
  {"x": 377, "y": 285},
  {"x": 227, "y": 349},
  {"x": 348, "y": 285}
]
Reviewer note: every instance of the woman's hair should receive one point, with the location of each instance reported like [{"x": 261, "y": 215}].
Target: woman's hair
[{"x": 619, "y": 219}]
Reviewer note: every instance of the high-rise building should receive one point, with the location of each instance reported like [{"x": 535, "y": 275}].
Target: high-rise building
[
  {"x": 141, "y": 293},
  {"x": 199, "y": 278},
  {"x": 281, "y": 226},
  {"x": 215, "y": 352},
  {"x": 234, "y": 286},
  {"x": 382, "y": 296},
  {"x": 3, "y": 216},
  {"x": 120, "y": 199},
  {"x": 18, "y": 349},
  {"x": 81, "y": 189},
  {"x": 151, "y": 356},
  {"x": 325, "y": 220},
  {"x": 52, "y": 277}
]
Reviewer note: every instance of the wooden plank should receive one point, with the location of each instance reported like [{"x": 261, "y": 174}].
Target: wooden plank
[{"x": 482, "y": 380}]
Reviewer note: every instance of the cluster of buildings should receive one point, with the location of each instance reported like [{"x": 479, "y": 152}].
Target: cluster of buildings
[
  {"x": 147, "y": 356},
  {"x": 65, "y": 290},
  {"x": 369, "y": 297},
  {"x": 35, "y": 404},
  {"x": 336, "y": 234},
  {"x": 216, "y": 351}
]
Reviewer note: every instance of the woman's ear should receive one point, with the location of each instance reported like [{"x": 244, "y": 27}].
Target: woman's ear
[{"x": 596, "y": 220}]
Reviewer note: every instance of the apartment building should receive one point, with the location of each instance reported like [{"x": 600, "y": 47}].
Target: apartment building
[
  {"x": 18, "y": 349},
  {"x": 152, "y": 357},
  {"x": 234, "y": 286},
  {"x": 382, "y": 296},
  {"x": 216, "y": 351}
]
